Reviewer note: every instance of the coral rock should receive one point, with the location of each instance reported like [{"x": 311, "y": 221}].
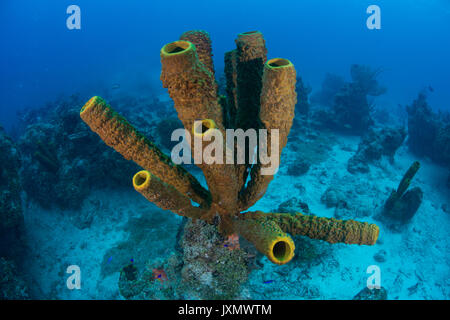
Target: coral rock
[{"x": 372, "y": 294}]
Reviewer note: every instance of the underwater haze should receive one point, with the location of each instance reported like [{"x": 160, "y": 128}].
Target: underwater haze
[
  {"x": 367, "y": 150},
  {"x": 120, "y": 42}
]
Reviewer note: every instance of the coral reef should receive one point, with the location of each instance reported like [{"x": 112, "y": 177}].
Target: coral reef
[
  {"x": 350, "y": 111},
  {"x": 262, "y": 95},
  {"x": 422, "y": 126},
  {"x": 330, "y": 87},
  {"x": 377, "y": 142},
  {"x": 11, "y": 215},
  {"x": 203, "y": 268},
  {"x": 12, "y": 236},
  {"x": 60, "y": 157},
  {"x": 428, "y": 132},
  {"x": 210, "y": 268},
  {"x": 402, "y": 203},
  {"x": 442, "y": 145},
  {"x": 12, "y": 286},
  {"x": 366, "y": 79},
  {"x": 372, "y": 294},
  {"x": 303, "y": 91}
]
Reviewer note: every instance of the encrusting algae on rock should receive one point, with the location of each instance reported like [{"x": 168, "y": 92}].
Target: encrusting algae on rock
[{"x": 261, "y": 95}]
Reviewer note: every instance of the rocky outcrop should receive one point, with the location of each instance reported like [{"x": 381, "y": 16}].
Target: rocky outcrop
[{"x": 378, "y": 142}]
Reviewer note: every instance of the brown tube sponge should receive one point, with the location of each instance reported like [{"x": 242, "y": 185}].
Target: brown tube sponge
[
  {"x": 267, "y": 237},
  {"x": 191, "y": 86},
  {"x": 231, "y": 87},
  {"x": 164, "y": 195},
  {"x": 278, "y": 100},
  {"x": 221, "y": 178},
  {"x": 193, "y": 89},
  {"x": 278, "y": 97},
  {"x": 250, "y": 56},
  {"x": 327, "y": 229},
  {"x": 202, "y": 42},
  {"x": 250, "y": 46},
  {"x": 117, "y": 133}
]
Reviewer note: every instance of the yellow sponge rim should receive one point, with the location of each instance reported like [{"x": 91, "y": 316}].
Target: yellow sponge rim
[
  {"x": 141, "y": 180},
  {"x": 279, "y": 63},
  {"x": 281, "y": 250},
  {"x": 249, "y": 33},
  {"x": 199, "y": 124},
  {"x": 92, "y": 101},
  {"x": 177, "y": 48}
]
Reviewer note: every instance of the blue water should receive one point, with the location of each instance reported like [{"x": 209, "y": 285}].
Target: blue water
[
  {"x": 41, "y": 58},
  {"x": 101, "y": 228}
]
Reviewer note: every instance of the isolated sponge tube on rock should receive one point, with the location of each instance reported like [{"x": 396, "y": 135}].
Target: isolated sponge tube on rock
[{"x": 403, "y": 186}]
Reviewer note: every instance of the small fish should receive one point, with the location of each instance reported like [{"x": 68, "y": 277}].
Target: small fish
[
  {"x": 268, "y": 281},
  {"x": 115, "y": 86},
  {"x": 159, "y": 274},
  {"x": 109, "y": 259}
]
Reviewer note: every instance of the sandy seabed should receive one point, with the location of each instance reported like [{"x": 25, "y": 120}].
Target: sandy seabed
[{"x": 416, "y": 260}]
